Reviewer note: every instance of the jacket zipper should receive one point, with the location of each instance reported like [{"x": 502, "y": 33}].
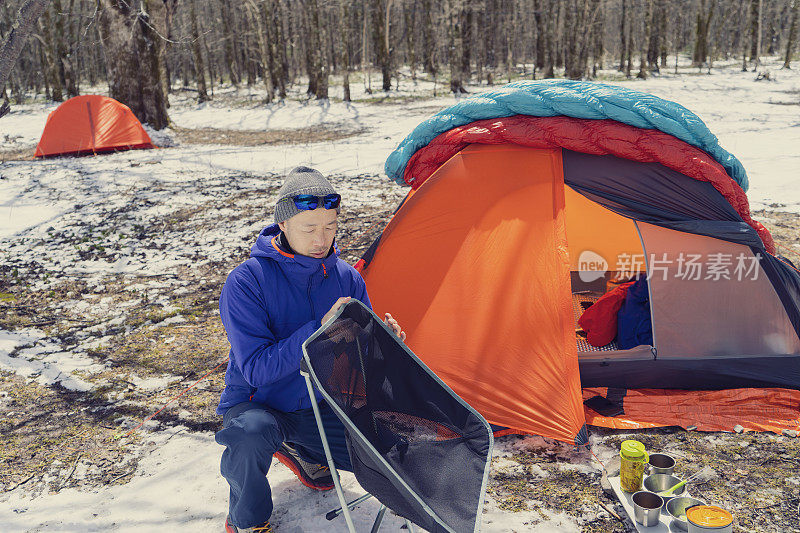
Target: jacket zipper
[{"x": 310, "y": 301}]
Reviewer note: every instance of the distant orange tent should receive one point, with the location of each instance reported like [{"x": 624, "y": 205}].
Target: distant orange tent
[{"x": 90, "y": 124}]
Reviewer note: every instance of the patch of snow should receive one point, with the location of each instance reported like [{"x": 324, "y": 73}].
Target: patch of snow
[
  {"x": 177, "y": 319},
  {"x": 152, "y": 383}
]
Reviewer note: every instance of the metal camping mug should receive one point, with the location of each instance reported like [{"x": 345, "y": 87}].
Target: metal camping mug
[
  {"x": 661, "y": 463},
  {"x": 647, "y": 508},
  {"x": 633, "y": 459}
]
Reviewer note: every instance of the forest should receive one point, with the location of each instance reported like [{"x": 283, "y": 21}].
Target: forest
[{"x": 146, "y": 49}]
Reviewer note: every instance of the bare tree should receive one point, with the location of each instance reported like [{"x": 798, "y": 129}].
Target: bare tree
[
  {"x": 623, "y": 34},
  {"x": 428, "y": 39},
  {"x": 648, "y": 28},
  {"x": 755, "y": 32},
  {"x": 792, "y": 39},
  {"x": 199, "y": 69},
  {"x": 132, "y": 39},
  {"x": 701, "y": 32},
  {"x": 344, "y": 28},
  {"x": 380, "y": 39},
  {"x": 15, "y": 40},
  {"x": 455, "y": 45}
]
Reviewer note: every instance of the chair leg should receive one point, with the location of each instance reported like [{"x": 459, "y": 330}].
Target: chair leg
[
  {"x": 329, "y": 457},
  {"x": 410, "y": 526},
  {"x": 378, "y": 519},
  {"x": 336, "y": 512}
]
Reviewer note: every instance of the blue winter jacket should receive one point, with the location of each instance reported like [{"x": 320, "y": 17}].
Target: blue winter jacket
[{"x": 269, "y": 305}]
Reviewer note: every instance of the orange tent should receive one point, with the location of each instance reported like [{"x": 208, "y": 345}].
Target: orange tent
[
  {"x": 487, "y": 262},
  {"x": 532, "y": 202},
  {"x": 89, "y": 124}
]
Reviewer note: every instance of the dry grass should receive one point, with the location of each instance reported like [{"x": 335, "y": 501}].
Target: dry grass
[{"x": 258, "y": 138}]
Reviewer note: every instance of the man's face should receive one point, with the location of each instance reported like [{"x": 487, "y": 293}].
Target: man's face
[{"x": 311, "y": 233}]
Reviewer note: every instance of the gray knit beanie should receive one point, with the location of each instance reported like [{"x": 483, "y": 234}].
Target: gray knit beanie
[{"x": 301, "y": 180}]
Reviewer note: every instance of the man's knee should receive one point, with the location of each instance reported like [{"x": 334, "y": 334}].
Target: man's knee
[{"x": 255, "y": 429}]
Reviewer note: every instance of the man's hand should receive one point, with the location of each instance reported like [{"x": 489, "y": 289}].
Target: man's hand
[
  {"x": 392, "y": 323},
  {"x": 336, "y": 305}
]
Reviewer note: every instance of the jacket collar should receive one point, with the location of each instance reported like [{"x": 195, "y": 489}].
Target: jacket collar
[{"x": 294, "y": 264}]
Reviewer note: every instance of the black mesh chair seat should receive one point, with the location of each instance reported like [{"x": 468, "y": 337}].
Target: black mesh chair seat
[{"x": 414, "y": 444}]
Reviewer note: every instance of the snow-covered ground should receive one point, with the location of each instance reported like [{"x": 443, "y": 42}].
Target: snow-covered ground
[
  {"x": 110, "y": 201},
  {"x": 178, "y": 488}
]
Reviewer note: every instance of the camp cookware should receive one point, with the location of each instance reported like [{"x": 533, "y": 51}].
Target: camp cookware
[
  {"x": 661, "y": 463},
  {"x": 660, "y": 482},
  {"x": 709, "y": 519},
  {"x": 633, "y": 459},
  {"x": 647, "y": 508},
  {"x": 676, "y": 507}
]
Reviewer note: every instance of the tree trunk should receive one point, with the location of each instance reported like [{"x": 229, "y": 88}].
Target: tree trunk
[
  {"x": 662, "y": 24},
  {"x": 129, "y": 32},
  {"x": 409, "y": 20},
  {"x": 755, "y": 31},
  {"x": 166, "y": 75},
  {"x": 511, "y": 32},
  {"x": 790, "y": 42},
  {"x": 572, "y": 42},
  {"x": 549, "y": 43},
  {"x": 231, "y": 63},
  {"x": 629, "y": 51},
  {"x": 50, "y": 69},
  {"x": 320, "y": 57},
  {"x": 539, "y": 19},
  {"x": 428, "y": 39},
  {"x": 648, "y": 28},
  {"x": 623, "y": 50},
  {"x": 212, "y": 66},
  {"x": 344, "y": 53},
  {"x": 467, "y": 21},
  {"x": 64, "y": 67},
  {"x": 315, "y": 56},
  {"x": 280, "y": 74},
  {"x": 654, "y": 43},
  {"x": 258, "y": 18},
  {"x": 199, "y": 69},
  {"x": 701, "y": 34},
  {"x": 598, "y": 24},
  {"x": 379, "y": 40},
  {"x": 15, "y": 39},
  {"x": 454, "y": 45}
]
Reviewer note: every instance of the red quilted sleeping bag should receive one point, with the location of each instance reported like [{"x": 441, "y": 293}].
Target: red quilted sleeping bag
[{"x": 600, "y": 320}]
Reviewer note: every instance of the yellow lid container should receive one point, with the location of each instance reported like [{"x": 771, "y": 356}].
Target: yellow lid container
[
  {"x": 633, "y": 459},
  {"x": 709, "y": 518},
  {"x": 632, "y": 449}
]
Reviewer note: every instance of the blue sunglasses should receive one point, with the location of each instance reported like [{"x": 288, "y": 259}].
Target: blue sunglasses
[{"x": 309, "y": 202}]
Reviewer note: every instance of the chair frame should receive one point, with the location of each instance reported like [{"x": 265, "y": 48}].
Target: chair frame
[{"x": 307, "y": 371}]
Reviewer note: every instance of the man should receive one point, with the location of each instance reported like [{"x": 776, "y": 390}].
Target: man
[{"x": 293, "y": 282}]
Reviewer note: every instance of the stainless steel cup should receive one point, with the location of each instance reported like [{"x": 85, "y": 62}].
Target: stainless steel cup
[
  {"x": 661, "y": 482},
  {"x": 647, "y": 507},
  {"x": 676, "y": 508},
  {"x": 661, "y": 463}
]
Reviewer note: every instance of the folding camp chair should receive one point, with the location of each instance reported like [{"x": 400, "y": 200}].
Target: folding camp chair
[{"x": 413, "y": 443}]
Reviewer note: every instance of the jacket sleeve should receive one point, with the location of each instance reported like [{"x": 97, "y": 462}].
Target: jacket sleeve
[{"x": 254, "y": 350}]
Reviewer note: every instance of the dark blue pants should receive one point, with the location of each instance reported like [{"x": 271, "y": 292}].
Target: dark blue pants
[{"x": 251, "y": 433}]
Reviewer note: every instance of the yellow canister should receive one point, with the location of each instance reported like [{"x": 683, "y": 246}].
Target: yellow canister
[{"x": 633, "y": 459}]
